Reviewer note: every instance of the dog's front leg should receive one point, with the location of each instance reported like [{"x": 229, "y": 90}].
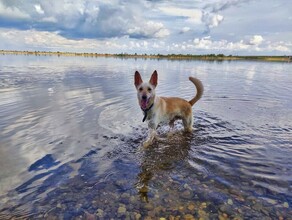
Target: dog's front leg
[
  {"x": 152, "y": 133},
  {"x": 150, "y": 138}
]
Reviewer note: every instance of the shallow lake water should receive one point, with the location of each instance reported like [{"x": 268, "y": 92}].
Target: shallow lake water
[{"x": 71, "y": 131}]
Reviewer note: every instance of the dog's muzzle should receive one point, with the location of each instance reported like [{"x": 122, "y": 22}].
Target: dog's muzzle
[{"x": 144, "y": 102}]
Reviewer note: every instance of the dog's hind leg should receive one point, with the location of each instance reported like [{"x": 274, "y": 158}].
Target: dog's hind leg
[
  {"x": 171, "y": 128},
  {"x": 188, "y": 123}
]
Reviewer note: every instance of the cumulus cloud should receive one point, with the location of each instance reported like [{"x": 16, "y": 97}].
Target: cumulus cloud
[
  {"x": 39, "y": 9},
  {"x": 224, "y": 46},
  {"x": 83, "y": 19},
  {"x": 280, "y": 46},
  {"x": 212, "y": 20},
  {"x": 256, "y": 40},
  {"x": 150, "y": 29},
  {"x": 206, "y": 43}
]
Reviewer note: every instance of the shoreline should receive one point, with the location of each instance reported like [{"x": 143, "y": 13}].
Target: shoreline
[{"x": 207, "y": 57}]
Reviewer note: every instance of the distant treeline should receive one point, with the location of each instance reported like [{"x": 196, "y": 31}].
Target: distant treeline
[{"x": 210, "y": 57}]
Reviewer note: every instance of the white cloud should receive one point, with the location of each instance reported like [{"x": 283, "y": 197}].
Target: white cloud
[
  {"x": 44, "y": 39},
  {"x": 203, "y": 43},
  {"x": 280, "y": 46},
  {"x": 256, "y": 40},
  {"x": 39, "y": 9},
  {"x": 216, "y": 20},
  {"x": 185, "y": 29},
  {"x": 207, "y": 44},
  {"x": 212, "y": 20},
  {"x": 192, "y": 15},
  {"x": 149, "y": 29}
]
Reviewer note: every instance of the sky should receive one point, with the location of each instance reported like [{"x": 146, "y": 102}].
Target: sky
[{"x": 236, "y": 27}]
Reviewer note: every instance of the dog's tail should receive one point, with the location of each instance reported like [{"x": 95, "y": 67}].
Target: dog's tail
[{"x": 200, "y": 90}]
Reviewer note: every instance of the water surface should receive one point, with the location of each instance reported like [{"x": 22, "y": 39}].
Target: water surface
[{"x": 71, "y": 129}]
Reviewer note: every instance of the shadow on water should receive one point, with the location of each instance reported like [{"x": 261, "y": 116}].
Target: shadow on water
[{"x": 162, "y": 157}]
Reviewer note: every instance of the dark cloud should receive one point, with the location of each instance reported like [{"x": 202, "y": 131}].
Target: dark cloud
[
  {"x": 211, "y": 17},
  {"x": 223, "y": 5}
]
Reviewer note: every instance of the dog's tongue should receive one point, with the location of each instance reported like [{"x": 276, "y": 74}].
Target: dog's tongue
[{"x": 144, "y": 104}]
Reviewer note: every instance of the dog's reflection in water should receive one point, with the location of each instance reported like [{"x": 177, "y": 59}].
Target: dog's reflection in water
[{"x": 163, "y": 156}]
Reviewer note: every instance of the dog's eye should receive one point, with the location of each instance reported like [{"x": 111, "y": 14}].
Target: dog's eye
[
  {"x": 140, "y": 89},
  {"x": 149, "y": 89}
]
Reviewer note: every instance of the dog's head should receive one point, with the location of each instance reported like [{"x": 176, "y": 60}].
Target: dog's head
[{"x": 146, "y": 90}]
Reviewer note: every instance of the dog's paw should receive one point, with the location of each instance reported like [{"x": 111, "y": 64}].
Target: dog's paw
[
  {"x": 146, "y": 143},
  {"x": 170, "y": 134},
  {"x": 188, "y": 130}
]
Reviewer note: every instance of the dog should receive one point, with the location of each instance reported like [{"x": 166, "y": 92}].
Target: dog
[{"x": 164, "y": 109}]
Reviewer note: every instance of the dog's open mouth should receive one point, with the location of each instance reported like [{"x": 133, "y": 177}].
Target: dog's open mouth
[{"x": 144, "y": 104}]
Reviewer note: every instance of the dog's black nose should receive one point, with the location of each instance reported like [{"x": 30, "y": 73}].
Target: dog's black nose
[{"x": 144, "y": 97}]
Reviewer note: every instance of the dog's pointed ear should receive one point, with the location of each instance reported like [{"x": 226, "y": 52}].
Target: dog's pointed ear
[
  {"x": 154, "y": 78},
  {"x": 138, "y": 79}
]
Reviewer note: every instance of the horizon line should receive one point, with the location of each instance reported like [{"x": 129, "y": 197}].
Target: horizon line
[{"x": 211, "y": 57}]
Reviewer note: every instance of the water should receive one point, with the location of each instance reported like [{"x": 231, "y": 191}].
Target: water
[{"x": 71, "y": 129}]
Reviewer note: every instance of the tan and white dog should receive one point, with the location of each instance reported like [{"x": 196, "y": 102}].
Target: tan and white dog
[{"x": 164, "y": 109}]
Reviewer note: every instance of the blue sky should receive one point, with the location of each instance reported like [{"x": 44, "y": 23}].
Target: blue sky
[{"x": 237, "y": 27}]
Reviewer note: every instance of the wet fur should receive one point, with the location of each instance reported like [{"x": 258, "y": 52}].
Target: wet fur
[{"x": 164, "y": 109}]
